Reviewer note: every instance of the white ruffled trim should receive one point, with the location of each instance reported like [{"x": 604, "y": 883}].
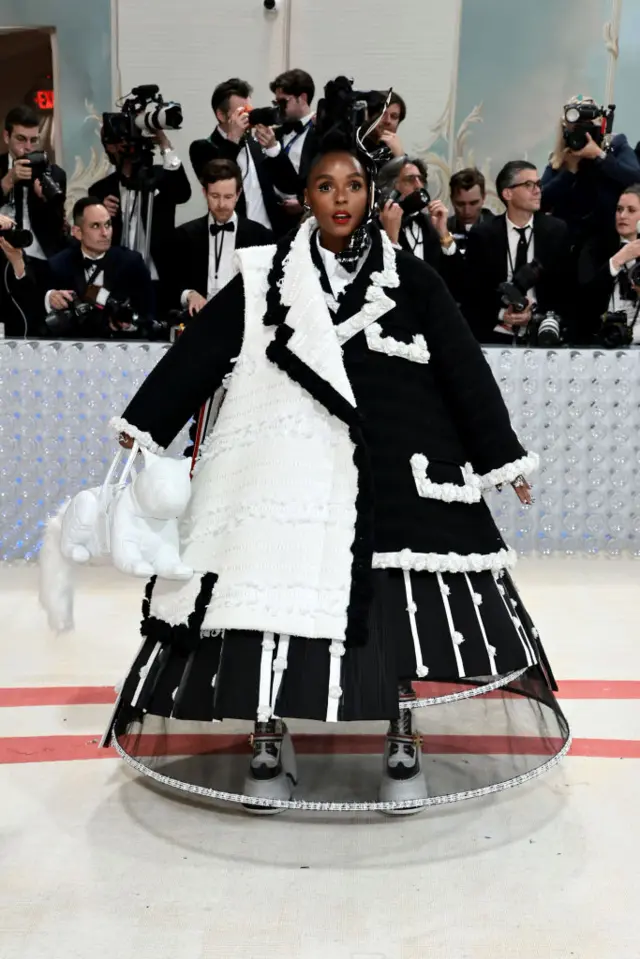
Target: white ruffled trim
[
  {"x": 446, "y": 562},
  {"x": 509, "y": 472},
  {"x": 470, "y": 493},
  {"x": 416, "y": 351},
  {"x": 144, "y": 439}
]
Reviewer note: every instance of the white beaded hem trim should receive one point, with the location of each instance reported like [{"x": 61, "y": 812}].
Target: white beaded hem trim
[
  {"x": 446, "y": 562},
  {"x": 118, "y": 425},
  {"x": 416, "y": 351},
  {"x": 511, "y": 471},
  {"x": 471, "y": 693},
  {"x": 446, "y": 492},
  {"x": 338, "y": 806}
]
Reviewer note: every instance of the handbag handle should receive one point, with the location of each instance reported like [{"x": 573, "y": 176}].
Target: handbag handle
[{"x": 133, "y": 452}]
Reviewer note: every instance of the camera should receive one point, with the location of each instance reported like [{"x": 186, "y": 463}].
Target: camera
[
  {"x": 18, "y": 239},
  {"x": 615, "y": 332},
  {"x": 581, "y": 117},
  {"x": 41, "y": 168},
  {"x": 69, "y": 321},
  {"x": 545, "y": 330},
  {"x": 514, "y": 293},
  {"x": 266, "y": 116},
  {"x": 410, "y": 204},
  {"x": 143, "y": 112}
]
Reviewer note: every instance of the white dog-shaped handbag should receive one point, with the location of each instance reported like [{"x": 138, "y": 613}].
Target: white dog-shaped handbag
[{"x": 132, "y": 525}]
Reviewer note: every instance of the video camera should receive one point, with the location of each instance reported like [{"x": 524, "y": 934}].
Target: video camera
[
  {"x": 143, "y": 112},
  {"x": 581, "y": 116},
  {"x": 347, "y": 109},
  {"x": 41, "y": 170}
]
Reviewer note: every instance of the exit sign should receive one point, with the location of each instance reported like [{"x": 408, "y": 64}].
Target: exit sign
[{"x": 44, "y": 100}]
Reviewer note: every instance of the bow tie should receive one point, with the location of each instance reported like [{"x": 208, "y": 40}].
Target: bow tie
[
  {"x": 216, "y": 228},
  {"x": 90, "y": 264},
  {"x": 292, "y": 126}
]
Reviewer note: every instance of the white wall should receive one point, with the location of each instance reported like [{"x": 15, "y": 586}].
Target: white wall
[{"x": 188, "y": 48}]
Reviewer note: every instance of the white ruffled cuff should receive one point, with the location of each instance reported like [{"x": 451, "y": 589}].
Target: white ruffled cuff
[
  {"x": 510, "y": 471},
  {"x": 145, "y": 440}
]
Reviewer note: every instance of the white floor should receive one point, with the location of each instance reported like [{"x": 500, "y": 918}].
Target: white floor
[{"x": 95, "y": 863}]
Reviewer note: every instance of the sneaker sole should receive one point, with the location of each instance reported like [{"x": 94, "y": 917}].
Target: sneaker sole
[
  {"x": 403, "y": 790},
  {"x": 281, "y": 787}
]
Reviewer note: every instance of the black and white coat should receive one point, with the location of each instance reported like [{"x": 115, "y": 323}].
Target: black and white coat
[{"x": 345, "y": 444}]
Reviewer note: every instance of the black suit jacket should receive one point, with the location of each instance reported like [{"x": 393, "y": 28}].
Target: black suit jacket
[
  {"x": 285, "y": 176},
  {"x": 190, "y": 249},
  {"x": 173, "y": 189},
  {"x": 487, "y": 267},
  {"x": 432, "y": 251},
  {"x": 595, "y": 284},
  {"x": 125, "y": 276},
  {"x": 216, "y": 147},
  {"x": 46, "y": 216}
]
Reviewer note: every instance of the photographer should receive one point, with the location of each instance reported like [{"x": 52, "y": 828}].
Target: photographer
[
  {"x": 203, "y": 250},
  {"x": 383, "y": 142},
  {"x": 408, "y": 216},
  {"x": 232, "y": 140},
  {"x": 586, "y": 173},
  {"x": 499, "y": 248},
  {"x": 121, "y": 190},
  {"x": 19, "y": 313},
  {"x": 292, "y": 146},
  {"x": 467, "y": 189},
  {"x": 606, "y": 275},
  {"x": 105, "y": 277},
  {"x": 32, "y": 191}
]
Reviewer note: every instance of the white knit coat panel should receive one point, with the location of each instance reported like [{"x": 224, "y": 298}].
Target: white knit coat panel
[{"x": 272, "y": 510}]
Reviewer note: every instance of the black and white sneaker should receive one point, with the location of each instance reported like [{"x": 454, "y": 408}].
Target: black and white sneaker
[
  {"x": 272, "y": 770},
  {"x": 402, "y": 777}
]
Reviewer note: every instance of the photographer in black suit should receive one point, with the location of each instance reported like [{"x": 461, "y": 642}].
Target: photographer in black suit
[
  {"x": 33, "y": 204},
  {"x": 232, "y": 140},
  {"x": 171, "y": 188},
  {"x": 92, "y": 270},
  {"x": 500, "y": 247},
  {"x": 292, "y": 146},
  {"x": 20, "y": 313},
  {"x": 605, "y": 272},
  {"x": 203, "y": 261},
  {"x": 422, "y": 232}
]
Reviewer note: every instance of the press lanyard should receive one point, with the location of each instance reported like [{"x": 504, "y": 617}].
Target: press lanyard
[
  {"x": 511, "y": 267},
  {"x": 217, "y": 253},
  {"x": 293, "y": 140}
]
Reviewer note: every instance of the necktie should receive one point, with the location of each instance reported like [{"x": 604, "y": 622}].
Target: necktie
[
  {"x": 522, "y": 250},
  {"x": 292, "y": 126},
  {"x": 89, "y": 264},
  {"x": 216, "y": 228}
]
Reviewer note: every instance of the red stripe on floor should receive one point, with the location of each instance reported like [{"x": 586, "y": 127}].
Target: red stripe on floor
[
  {"x": 42, "y": 749},
  {"x": 99, "y": 695}
]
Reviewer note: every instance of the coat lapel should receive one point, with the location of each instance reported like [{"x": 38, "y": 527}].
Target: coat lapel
[{"x": 365, "y": 301}]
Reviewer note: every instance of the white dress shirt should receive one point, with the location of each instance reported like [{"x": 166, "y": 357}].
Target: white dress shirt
[
  {"x": 415, "y": 239},
  {"x": 513, "y": 238},
  {"x": 339, "y": 278},
  {"x": 88, "y": 272},
  {"x": 617, "y": 303},
  {"x": 256, "y": 209},
  {"x": 227, "y": 267},
  {"x": 170, "y": 161},
  {"x": 9, "y": 209}
]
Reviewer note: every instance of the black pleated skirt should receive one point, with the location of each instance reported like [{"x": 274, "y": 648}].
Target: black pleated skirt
[{"x": 440, "y": 628}]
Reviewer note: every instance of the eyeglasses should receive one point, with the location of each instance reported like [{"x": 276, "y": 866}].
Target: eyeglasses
[{"x": 528, "y": 184}]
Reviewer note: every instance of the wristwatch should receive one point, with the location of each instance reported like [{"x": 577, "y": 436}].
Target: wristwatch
[{"x": 447, "y": 240}]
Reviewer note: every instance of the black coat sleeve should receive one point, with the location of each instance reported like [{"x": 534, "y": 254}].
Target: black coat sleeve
[
  {"x": 193, "y": 368},
  {"x": 202, "y": 151},
  {"x": 174, "y": 186},
  {"x": 464, "y": 377}
]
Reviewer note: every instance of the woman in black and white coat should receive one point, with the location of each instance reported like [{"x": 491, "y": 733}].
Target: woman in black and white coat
[{"x": 337, "y": 527}]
